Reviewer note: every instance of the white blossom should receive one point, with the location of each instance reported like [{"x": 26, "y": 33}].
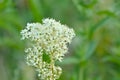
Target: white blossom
[{"x": 50, "y": 38}]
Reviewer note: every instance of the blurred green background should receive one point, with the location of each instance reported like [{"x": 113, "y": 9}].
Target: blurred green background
[{"x": 94, "y": 53}]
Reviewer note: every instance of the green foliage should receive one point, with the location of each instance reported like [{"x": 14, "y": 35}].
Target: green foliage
[{"x": 94, "y": 53}]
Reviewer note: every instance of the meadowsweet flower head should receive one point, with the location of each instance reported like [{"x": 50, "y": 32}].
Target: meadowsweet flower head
[{"x": 49, "y": 38}]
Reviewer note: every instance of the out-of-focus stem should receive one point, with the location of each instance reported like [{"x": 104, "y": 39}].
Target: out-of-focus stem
[{"x": 81, "y": 73}]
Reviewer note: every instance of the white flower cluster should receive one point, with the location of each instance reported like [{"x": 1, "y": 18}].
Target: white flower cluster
[{"x": 50, "y": 38}]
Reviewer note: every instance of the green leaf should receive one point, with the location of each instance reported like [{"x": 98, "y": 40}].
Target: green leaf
[
  {"x": 70, "y": 60},
  {"x": 3, "y": 4},
  {"x": 9, "y": 29},
  {"x": 10, "y": 42},
  {"x": 46, "y": 57},
  {"x": 36, "y": 9},
  {"x": 113, "y": 59},
  {"x": 88, "y": 4},
  {"x": 90, "y": 50},
  {"x": 97, "y": 26},
  {"x": 107, "y": 12}
]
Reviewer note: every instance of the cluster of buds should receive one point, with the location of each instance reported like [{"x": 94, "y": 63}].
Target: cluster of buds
[{"x": 48, "y": 41}]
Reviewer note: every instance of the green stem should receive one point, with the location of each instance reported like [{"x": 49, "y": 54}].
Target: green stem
[
  {"x": 52, "y": 65},
  {"x": 81, "y": 73}
]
